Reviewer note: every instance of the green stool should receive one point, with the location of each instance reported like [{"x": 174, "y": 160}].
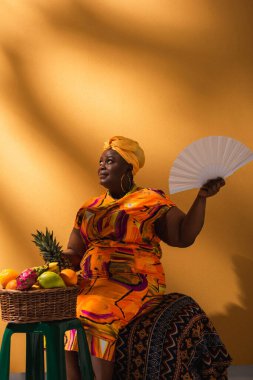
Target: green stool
[{"x": 55, "y": 354}]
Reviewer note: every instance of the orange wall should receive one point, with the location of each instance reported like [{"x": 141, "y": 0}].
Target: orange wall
[{"x": 74, "y": 73}]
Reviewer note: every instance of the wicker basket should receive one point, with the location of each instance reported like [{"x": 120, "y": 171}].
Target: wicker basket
[{"x": 38, "y": 305}]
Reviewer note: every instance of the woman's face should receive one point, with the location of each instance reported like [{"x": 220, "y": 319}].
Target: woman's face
[{"x": 111, "y": 169}]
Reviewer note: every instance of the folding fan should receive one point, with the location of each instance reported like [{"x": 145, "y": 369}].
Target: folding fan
[{"x": 207, "y": 158}]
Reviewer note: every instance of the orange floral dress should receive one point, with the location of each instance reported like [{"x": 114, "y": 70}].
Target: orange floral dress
[{"x": 121, "y": 265}]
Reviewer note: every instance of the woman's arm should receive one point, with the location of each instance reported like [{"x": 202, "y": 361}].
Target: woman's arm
[
  {"x": 75, "y": 248},
  {"x": 179, "y": 229}
]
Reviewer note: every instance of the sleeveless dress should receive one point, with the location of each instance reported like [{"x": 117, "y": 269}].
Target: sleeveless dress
[{"x": 121, "y": 266}]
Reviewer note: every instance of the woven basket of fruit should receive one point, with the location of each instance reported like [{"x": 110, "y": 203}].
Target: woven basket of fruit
[
  {"x": 38, "y": 305},
  {"x": 43, "y": 293}
]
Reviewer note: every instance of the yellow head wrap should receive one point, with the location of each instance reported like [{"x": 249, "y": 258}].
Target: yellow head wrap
[{"x": 129, "y": 149}]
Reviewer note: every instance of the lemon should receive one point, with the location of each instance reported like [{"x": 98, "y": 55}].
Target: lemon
[{"x": 7, "y": 275}]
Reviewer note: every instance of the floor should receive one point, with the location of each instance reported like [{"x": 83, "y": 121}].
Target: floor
[
  {"x": 241, "y": 372},
  {"x": 235, "y": 373}
]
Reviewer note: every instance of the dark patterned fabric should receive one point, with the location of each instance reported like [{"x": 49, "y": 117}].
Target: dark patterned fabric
[{"x": 175, "y": 340}]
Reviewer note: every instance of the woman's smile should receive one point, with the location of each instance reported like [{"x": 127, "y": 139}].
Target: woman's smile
[{"x": 102, "y": 174}]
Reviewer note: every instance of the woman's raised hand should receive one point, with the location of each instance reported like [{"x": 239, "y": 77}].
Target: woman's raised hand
[{"x": 211, "y": 187}]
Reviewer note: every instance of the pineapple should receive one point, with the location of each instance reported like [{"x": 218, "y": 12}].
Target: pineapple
[{"x": 50, "y": 249}]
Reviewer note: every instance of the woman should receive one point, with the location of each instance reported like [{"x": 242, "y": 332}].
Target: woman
[{"x": 115, "y": 242}]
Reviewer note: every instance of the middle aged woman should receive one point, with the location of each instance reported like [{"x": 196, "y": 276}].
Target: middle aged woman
[{"x": 115, "y": 242}]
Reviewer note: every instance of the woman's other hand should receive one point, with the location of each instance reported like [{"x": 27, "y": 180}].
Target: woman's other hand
[
  {"x": 75, "y": 249},
  {"x": 211, "y": 187}
]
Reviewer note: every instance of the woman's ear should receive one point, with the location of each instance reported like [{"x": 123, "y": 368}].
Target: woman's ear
[
  {"x": 130, "y": 172},
  {"x": 130, "y": 168}
]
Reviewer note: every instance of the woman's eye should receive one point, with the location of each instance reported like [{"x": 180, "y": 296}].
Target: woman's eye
[{"x": 109, "y": 161}]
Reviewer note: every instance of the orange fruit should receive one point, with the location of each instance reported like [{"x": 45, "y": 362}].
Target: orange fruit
[
  {"x": 69, "y": 276},
  {"x": 12, "y": 285},
  {"x": 7, "y": 275}
]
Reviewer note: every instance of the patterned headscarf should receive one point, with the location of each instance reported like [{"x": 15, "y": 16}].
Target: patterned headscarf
[{"x": 129, "y": 149}]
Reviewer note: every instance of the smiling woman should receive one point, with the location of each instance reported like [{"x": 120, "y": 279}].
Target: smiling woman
[
  {"x": 115, "y": 173},
  {"x": 115, "y": 242}
]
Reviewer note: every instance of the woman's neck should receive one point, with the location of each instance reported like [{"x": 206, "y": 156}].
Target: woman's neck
[{"x": 120, "y": 194}]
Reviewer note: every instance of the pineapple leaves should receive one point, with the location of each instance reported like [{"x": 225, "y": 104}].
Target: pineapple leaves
[{"x": 50, "y": 249}]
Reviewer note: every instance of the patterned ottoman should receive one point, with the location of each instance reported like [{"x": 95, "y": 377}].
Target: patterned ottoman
[{"x": 174, "y": 340}]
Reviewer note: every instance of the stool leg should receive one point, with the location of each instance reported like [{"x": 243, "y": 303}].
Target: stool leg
[
  {"x": 34, "y": 357},
  {"x": 84, "y": 355},
  {"x": 56, "y": 366},
  {"x": 5, "y": 354}
]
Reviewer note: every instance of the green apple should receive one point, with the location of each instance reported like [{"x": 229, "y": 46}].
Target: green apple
[{"x": 50, "y": 280}]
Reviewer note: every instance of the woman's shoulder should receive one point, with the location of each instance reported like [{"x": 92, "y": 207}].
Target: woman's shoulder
[
  {"x": 93, "y": 201},
  {"x": 150, "y": 194},
  {"x": 150, "y": 191}
]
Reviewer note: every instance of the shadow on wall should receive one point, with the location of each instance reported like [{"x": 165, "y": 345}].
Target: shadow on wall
[
  {"x": 198, "y": 57},
  {"x": 20, "y": 90},
  {"x": 237, "y": 324}
]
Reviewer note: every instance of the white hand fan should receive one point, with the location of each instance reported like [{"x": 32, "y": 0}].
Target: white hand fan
[{"x": 207, "y": 158}]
